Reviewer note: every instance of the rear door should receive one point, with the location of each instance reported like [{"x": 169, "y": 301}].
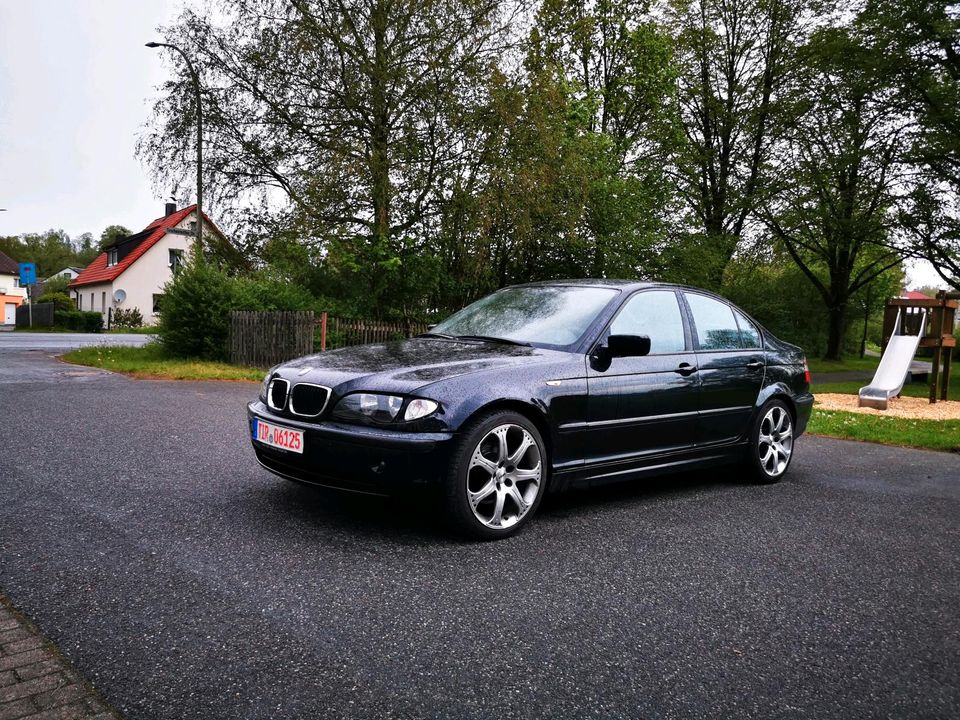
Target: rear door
[
  {"x": 644, "y": 405},
  {"x": 731, "y": 368}
]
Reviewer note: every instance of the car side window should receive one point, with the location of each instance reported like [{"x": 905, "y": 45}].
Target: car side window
[
  {"x": 749, "y": 335},
  {"x": 716, "y": 326},
  {"x": 654, "y": 313}
]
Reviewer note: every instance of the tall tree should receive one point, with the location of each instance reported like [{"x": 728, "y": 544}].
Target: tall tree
[
  {"x": 111, "y": 234},
  {"x": 735, "y": 57},
  {"x": 347, "y": 109},
  {"x": 840, "y": 174},
  {"x": 616, "y": 65},
  {"x": 915, "y": 48}
]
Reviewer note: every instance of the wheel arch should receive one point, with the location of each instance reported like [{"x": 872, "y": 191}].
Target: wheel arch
[
  {"x": 778, "y": 391},
  {"x": 530, "y": 411}
]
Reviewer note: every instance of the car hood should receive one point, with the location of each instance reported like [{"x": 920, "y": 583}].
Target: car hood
[{"x": 406, "y": 365}]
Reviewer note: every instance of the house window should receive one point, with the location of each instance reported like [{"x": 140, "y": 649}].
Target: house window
[
  {"x": 176, "y": 260},
  {"x": 91, "y": 302},
  {"x": 16, "y": 282},
  {"x": 157, "y": 300},
  {"x": 103, "y": 302},
  {"x": 79, "y": 301},
  {"x": 111, "y": 257}
]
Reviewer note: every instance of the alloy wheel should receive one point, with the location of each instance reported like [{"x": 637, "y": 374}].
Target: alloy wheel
[
  {"x": 775, "y": 444},
  {"x": 504, "y": 476}
]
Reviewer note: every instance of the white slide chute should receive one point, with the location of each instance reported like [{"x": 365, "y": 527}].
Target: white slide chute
[{"x": 894, "y": 366}]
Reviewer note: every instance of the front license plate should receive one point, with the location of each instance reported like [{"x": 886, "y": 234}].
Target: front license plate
[{"x": 278, "y": 437}]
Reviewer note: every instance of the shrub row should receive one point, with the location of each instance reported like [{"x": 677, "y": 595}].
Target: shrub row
[{"x": 79, "y": 320}]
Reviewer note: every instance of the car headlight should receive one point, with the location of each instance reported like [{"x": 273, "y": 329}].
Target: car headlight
[
  {"x": 418, "y": 408},
  {"x": 265, "y": 386},
  {"x": 379, "y": 408}
]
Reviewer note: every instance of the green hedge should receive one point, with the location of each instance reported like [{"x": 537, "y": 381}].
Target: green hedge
[
  {"x": 79, "y": 320},
  {"x": 196, "y": 305}
]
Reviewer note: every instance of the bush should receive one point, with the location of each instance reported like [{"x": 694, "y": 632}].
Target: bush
[
  {"x": 269, "y": 292},
  {"x": 60, "y": 300},
  {"x": 195, "y": 312},
  {"x": 81, "y": 321},
  {"x": 127, "y": 318},
  {"x": 56, "y": 285}
]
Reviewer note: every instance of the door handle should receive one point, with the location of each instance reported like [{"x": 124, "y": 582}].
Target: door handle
[
  {"x": 755, "y": 365},
  {"x": 686, "y": 369}
]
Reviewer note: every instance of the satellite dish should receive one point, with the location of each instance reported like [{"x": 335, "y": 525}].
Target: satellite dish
[{"x": 119, "y": 296}]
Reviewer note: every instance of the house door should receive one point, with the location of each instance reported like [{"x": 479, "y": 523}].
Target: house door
[{"x": 9, "y": 314}]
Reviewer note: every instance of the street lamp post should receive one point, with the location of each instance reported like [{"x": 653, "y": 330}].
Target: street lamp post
[{"x": 196, "y": 87}]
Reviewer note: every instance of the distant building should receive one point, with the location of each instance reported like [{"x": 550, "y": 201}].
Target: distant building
[
  {"x": 68, "y": 272},
  {"x": 130, "y": 273},
  {"x": 12, "y": 295}
]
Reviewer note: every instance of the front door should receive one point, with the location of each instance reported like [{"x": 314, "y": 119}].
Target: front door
[
  {"x": 9, "y": 314},
  {"x": 731, "y": 361},
  {"x": 641, "y": 406}
]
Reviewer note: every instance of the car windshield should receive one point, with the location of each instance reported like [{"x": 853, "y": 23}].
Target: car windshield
[{"x": 539, "y": 314}]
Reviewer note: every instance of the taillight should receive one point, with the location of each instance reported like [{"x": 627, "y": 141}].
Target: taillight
[{"x": 806, "y": 371}]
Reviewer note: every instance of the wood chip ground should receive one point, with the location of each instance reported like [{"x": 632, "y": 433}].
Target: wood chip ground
[{"x": 904, "y": 407}]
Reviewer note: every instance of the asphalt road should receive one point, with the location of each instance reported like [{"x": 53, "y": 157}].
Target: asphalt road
[
  {"x": 10, "y": 341},
  {"x": 138, "y": 532}
]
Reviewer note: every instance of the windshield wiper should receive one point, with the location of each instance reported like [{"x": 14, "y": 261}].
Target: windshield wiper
[
  {"x": 491, "y": 339},
  {"x": 442, "y": 336}
]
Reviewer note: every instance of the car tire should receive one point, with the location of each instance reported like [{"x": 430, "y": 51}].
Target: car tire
[
  {"x": 772, "y": 443},
  {"x": 496, "y": 477}
]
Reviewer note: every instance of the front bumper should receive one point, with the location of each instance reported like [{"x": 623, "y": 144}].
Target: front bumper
[
  {"x": 353, "y": 457},
  {"x": 804, "y": 405}
]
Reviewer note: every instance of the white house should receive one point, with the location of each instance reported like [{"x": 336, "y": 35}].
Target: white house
[
  {"x": 132, "y": 271},
  {"x": 71, "y": 273},
  {"x": 12, "y": 295}
]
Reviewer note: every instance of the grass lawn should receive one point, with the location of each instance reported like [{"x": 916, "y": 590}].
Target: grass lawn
[
  {"x": 853, "y": 362},
  {"x": 148, "y": 330},
  {"x": 906, "y": 432},
  {"x": 151, "y": 361}
]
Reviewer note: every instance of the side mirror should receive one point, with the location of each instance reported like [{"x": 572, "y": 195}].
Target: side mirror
[{"x": 628, "y": 345}]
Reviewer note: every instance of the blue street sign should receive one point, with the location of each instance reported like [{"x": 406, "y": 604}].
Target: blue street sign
[{"x": 28, "y": 274}]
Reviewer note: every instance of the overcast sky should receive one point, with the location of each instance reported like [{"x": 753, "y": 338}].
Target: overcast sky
[{"x": 75, "y": 88}]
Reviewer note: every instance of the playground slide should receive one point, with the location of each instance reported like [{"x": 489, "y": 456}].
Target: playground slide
[{"x": 892, "y": 371}]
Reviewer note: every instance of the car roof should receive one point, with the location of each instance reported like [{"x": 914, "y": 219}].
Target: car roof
[{"x": 612, "y": 283}]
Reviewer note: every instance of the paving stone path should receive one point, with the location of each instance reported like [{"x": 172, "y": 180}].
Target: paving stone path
[{"x": 36, "y": 683}]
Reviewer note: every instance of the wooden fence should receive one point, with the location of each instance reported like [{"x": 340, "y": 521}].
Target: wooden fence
[
  {"x": 42, "y": 315},
  {"x": 263, "y": 339},
  {"x": 337, "y": 332}
]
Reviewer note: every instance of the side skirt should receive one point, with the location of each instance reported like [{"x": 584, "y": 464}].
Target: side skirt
[{"x": 606, "y": 473}]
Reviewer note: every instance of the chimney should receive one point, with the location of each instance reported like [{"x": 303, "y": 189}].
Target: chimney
[{"x": 170, "y": 209}]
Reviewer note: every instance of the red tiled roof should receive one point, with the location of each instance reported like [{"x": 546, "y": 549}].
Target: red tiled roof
[
  {"x": 99, "y": 272},
  {"x": 914, "y": 295}
]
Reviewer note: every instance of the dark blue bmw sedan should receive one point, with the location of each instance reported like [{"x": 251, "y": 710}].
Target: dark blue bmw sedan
[{"x": 540, "y": 387}]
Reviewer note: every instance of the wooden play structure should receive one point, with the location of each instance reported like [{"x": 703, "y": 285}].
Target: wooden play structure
[{"x": 937, "y": 317}]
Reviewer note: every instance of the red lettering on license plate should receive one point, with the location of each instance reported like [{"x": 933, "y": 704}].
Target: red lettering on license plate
[{"x": 283, "y": 438}]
